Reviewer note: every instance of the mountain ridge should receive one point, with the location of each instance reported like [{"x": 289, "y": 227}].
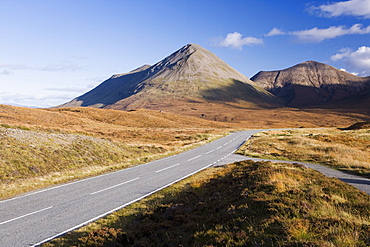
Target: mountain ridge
[
  {"x": 311, "y": 83},
  {"x": 190, "y": 74}
]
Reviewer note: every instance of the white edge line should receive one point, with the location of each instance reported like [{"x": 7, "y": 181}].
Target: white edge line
[
  {"x": 118, "y": 208},
  {"x": 20, "y": 217},
  {"x": 167, "y": 168},
  {"x": 86, "y": 179},
  {"x": 62, "y": 185},
  {"x": 194, "y": 158},
  {"x": 111, "y": 187}
]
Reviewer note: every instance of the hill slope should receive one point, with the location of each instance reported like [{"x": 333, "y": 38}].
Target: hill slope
[
  {"x": 191, "y": 74},
  {"x": 142, "y": 126},
  {"x": 312, "y": 83},
  {"x": 40, "y": 147}
]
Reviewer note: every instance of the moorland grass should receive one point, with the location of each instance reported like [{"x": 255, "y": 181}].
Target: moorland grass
[
  {"x": 241, "y": 204},
  {"x": 42, "y": 147},
  {"x": 36, "y": 159},
  {"x": 345, "y": 150}
]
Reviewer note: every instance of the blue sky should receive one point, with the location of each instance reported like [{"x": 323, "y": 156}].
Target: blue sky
[{"x": 52, "y": 51}]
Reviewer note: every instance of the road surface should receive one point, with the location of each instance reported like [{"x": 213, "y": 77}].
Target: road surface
[{"x": 34, "y": 218}]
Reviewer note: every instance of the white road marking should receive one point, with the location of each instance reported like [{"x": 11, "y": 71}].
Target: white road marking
[
  {"x": 196, "y": 157},
  {"x": 38, "y": 211},
  {"x": 79, "y": 181},
  {"x": 96, "y": 192},
  {"x": 219, "y": 147},
  {"x": 167, "y": 168},
  {"x": 210, "y": 151},
  {"x": 120, "y": 207}
]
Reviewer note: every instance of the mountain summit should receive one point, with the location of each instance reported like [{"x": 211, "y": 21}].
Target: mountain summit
[
  {"x": 191, "y": 74},
  {"x": 312, "y": 83}
]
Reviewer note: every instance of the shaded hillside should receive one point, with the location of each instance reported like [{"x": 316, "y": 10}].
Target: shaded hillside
[
  {"x": 190, "y": 74},
  {"x": 313, "y": 84},
  {"x": 358, "y": 126}
]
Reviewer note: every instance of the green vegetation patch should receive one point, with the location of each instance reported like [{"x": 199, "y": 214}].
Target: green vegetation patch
[{"x": 242, "y": 204}]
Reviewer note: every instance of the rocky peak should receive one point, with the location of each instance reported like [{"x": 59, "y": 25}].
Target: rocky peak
[
  {"x": 190, "y": 73},
  {"x": 311, "y": 83}
]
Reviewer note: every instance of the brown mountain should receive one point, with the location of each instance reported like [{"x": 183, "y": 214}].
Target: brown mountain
[
  {"x": 315, "y": 84},
  {"x": 189, "y": 76}
]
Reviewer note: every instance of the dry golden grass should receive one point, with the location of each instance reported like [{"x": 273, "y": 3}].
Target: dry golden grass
[
  {"x": 35, "y": 159},
  {"x": 141, "y": 126},
  {"x": 42, "y": 147},
  {"x": 254, "y": 117},
  {"x": 312, "y": 212},
  {"x": 241, "y": 204},
  {"x": 135, "y": 129},
  {"x": 347, "y": 150},
  {"x": 163, "y": 130}
]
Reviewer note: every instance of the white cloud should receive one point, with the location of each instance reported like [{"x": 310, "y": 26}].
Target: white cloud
[
  {"x": 342, "y": 54},
  {"x": 5, "y": 72},
  {"x": 60, "y": 67},
  {"x": 236, "y": 40},
  {"x": 358, "y": 61},
  {"x": 353, "y": 73},
  {"x": 275, "y": 31},
  {"x": 317, "y": 35},
  {"x": 359, "y": 8},
  {"x": 67, "y": 89},
  {"x": 63, "y": 67},
  {"x": 39, "y": 100}
]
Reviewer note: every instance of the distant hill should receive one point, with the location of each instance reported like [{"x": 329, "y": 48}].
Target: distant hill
[
  {"x": 358, "y": 126},
  {"x": 315, "y": 84},
  {"x": 190, "y": 75}
]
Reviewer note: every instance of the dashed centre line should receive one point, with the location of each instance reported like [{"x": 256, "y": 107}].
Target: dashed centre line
[
  {"x": 96, "y": 192},
  {"x": 194, "y": 158},
  {"x": 210, "y": 151},
  {"x": 167, "y": 168},
  {"x": 20, "y": 217},
  {"x": 219, "y": 147}
]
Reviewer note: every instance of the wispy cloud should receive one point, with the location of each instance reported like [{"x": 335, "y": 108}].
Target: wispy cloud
[
  {"x": 358, "y": 61},
  {"x": 357, "y": 8},
  {"x": 33, "y": 100},
  {"x": 275, "y": 31},
  {"x": 316, "y": 35},
  {"x": 236, "y": 40},
  {"x": 67, "y": 89},
  {"x": 5, "y": 72},
  {"x": 61, "y": 67}
]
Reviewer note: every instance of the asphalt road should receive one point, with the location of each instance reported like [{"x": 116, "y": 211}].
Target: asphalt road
[
  {"x": 37, "y": 217},
  {"x": 33, "y": 218}
]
